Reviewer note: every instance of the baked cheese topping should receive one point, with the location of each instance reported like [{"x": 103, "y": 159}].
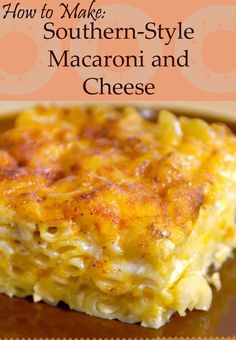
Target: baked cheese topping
[{"x": 115, "y": 215}]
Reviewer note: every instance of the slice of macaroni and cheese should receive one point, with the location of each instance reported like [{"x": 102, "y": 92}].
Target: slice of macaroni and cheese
[{"x": 117, "y": 216}]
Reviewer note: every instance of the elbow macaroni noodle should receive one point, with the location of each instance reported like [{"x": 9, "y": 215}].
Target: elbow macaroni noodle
[{"x": 82, "y": 219}]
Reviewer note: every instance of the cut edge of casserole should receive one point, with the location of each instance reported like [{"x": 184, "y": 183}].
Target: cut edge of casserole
[{"x": 118, "y": 217}]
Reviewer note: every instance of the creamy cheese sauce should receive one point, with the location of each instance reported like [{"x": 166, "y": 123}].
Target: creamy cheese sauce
[{"x": 213, "y": 316}]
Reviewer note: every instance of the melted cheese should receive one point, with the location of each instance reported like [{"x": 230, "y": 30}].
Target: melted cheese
[{"x": 115, "y": 215}]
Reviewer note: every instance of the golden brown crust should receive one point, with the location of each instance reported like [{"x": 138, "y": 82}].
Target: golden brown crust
[
  {"x": 115, "y": 215},
  {"x": 109, "y": 173}
]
